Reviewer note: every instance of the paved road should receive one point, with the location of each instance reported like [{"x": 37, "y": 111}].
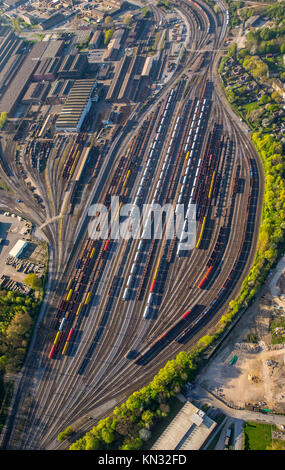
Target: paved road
[{"x": 275, "y": 291}]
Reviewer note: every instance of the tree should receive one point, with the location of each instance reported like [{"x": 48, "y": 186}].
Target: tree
[
  {"x": 34, "y": 281},
  {"x": 147, "y": 417},
  {"x": 91, "y": 443},
  {"x": 107, "y": 436},
  {"x": 206, "y": 340},
  {"x": 264, "y": 99},
  {"x": 79, "y": 445},
  {"x": 276, "y": 97},
  {"x": 65, "y": 434},
  {"x": 216, "y": 8},
  {"x": 108, "y": 36},
  {"x": 232, "y": 49},
  {"x": 3, "y": 119},
  {"x": 132, "y": 444},
  {"x": 128, "y": 19},
  {"x": 109, "y": 20}
]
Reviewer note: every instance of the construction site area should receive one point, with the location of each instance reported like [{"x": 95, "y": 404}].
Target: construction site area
[{"x": 248, "y": 372}]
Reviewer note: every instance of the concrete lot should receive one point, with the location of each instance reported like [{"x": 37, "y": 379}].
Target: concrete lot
[{"x": 10, "y": 232}]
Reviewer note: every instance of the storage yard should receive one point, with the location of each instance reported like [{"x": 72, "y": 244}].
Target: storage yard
[
  {"x": 256, "y": 379},
  {"x": 20, "y": 253}
]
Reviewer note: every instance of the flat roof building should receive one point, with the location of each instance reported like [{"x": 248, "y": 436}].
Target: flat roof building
[
  {"x": 96, "y": 40},
  {"x": 53, "y": 21},
  {"x": 59, "y": 91},
  {"x": 187, "y": 431},
  {"x": 36, "y": 93},
  {"x": 76, "y": 106},
  {"x": 73, "y": 66}
]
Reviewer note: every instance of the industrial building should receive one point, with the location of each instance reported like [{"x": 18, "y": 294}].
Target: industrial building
[
  {"x": 76, "y": 106},
  {"x": 96, "y": 40},
  {"x": 59, "y": 91},
  {"x": 15, "y": 81},
  {"x": 47, "y": 69},
  {"x": 128, "y": 79},
  {"x": 10, "y": 58},
  {"x": 52, "y": 21},
  {"x": 36, "y": 93},
  {"x": 121, "y": 70},
  {"x": 10, "y": 4},
  {"x": 187, "y": 431}
]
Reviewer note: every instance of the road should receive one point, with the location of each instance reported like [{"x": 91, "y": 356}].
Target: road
[{"x": 203, "y": 396}]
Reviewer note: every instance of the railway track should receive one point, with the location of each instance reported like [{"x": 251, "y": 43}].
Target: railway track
[{"x": 106, "y": 325}]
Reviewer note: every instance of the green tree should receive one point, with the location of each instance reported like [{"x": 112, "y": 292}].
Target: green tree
[
  {"x": 3, "y": 119},
  {"x": 34, "y": 281},
  {"x": 108, "y": 36},
  {"x": 107, "y": 436},
  {"x": 128, "y": 19},
  {"x": 65, "y": 434}
]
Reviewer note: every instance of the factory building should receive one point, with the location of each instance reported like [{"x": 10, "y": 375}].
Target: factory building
[
  {"x": 15, "y": 86},
  {"x": 59, "y": 92},
  {"x": 76, "y": 106},
  {"x": 36, "y": 93},
  {"x": 121, "y": 70},
  {"x": 73, "y": 66},
  {"x": 128, "y": 80},
  {"x": 187, "y": 431},
  {"x": 47, "y": 69},
  {"x": 10, "y": 4},
  {"x": 10, "y": 59},
  {"x": 52, "y": 21},
  {"x": 113, "y": 3}
]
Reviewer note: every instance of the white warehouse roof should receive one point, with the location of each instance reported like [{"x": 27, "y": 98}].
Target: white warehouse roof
[{"x": 18, "y": 248}]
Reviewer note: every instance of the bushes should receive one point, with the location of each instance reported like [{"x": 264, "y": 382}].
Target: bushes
[
  {"x": 3, "y": 119},
  {"x": 65, "y": 434},
  {"x": 108, "y": 36},
  {"x": 34, "y": 281},
  {"x": 17, "y": 314}
]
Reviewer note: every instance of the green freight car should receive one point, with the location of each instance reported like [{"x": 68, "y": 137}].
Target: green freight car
[{"x": 233, "y": 360}]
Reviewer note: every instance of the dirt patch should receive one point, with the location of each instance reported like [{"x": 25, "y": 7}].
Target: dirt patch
[{"x": 256, "y": 375}]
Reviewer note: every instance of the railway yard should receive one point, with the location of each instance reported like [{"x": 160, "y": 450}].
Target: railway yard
[{"x": 117, "y": 309}]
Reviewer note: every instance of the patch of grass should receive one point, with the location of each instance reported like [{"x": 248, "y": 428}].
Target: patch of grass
[
  {"x": 5, "y": 187},
  {"x": 278, "y": 445},
  {"x": 277, "y": 323},
  {"x": 258, "y": 436}
]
